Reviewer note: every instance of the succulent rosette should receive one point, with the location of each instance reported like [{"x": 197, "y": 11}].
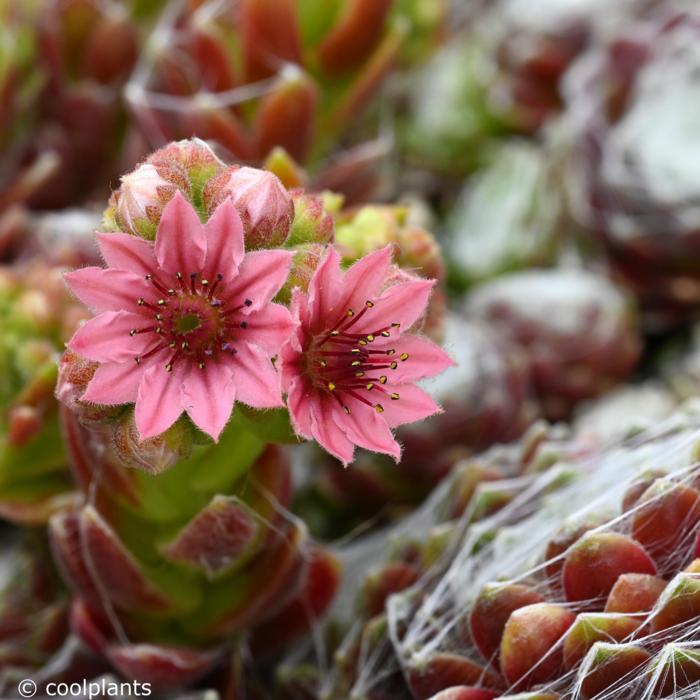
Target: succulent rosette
[
  {"x": 577, "y": 330},
  {"x": 509, "y": 218},
  {"x": 501, "y": 75},
  {"x": 37, "y": 316},
  {"x": 583, "y": 584},
  {"x": 631, "y": 181},
  {"x": 254, "y": 76},
  {"x": 173, "y": 392},
  {"x": 64, "y": 92}
]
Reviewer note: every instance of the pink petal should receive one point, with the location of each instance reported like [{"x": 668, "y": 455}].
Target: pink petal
[
  {"x": 367, "y": 428},
  {"x": 425, "y": 359},
  {"x": 261, "y": 276},
  {"x": 290, "y": 358},
  {"x": 413, "y": 405},
  {"x": 299, "y": 306},
  {"x": 270, "y": 328},
  {"x": 208, "y": 395},
  {"x": 225, "y": 247},
  {"x": 299, "y": 406},
  {"x": 108, "y": 290},
  {"x": 403, "y": 303},
  {"x": 365, "y": 278},
  {"x": 327, "y": 433},
  {"x": 107, "y": 337},
  {"x": 257, "y": 381},
  {"x": 324, "y": 290},
  {"x": 181, "y": 243},
  {"x": 127, "y": 252},
  {"x": 158, "y": 400},
  {"x": 114, "y": 384}
]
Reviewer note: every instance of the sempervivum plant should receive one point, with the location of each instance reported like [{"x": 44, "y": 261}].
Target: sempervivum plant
[
  {"x": 37, "y": 316},
  {"x": 578, "y": 331},
  {"x": 61, "y": 83},
  {"x": 583, "y": 586},
  {"x": 184, "y": 543},
  {"x": 501, "y": 75},
  {"x": 632, "y": 184},
  {"x": 507, "y": 219},
  {"x": 255, "y": 75},
  {"x": 366, "y": 663}
]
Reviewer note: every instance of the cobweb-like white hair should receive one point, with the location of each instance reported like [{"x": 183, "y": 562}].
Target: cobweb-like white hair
[{"x": 423, "y": 642}]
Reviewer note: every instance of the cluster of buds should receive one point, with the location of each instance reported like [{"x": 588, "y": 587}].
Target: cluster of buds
[
  {"x": 38, "y": 316},
  {"x": 579, "y": 332},
  {"x": 221, "y": 289},
  {"x": 502, "y": 75},
  {"x": 631, "y": 185},
  {"x": 255, "y": 76}
]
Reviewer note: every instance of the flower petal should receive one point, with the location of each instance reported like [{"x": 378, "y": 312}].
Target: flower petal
[
  {"x": 299, "y": 406},
  {"x": 158, "y": 400},
  {"x": 108, "y": 290},
  {"x": 424, "y": 358},
  {"x": 181, "y": 243},
  {"x": 413, "y": 405},
  {"x": 114, "y": 383},
  {"x": 208, "y": 395},
  {"x": 107, "y": 337},
  {"x": 257, "y": 381},
  {"x": 402, "y": 303},
  {"x": 225, "y": 247},
  {"x": 366, "y": 428},
  {"x": 269, "y": 328},
  {"x": 324, "y": 290},
  {"x": 260, "y": 277},
  {"x": 365, "y": 278},
  {"x": 127, "y": 252},
  {"x": 327, "y": 433}
]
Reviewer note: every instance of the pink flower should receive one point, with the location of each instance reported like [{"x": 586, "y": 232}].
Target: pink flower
[
  {"x": 349, "y": 369},
  {"x": 185, "y": 324}
]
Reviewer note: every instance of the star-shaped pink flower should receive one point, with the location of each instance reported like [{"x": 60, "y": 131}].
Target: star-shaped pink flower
[
  {"x": 349, "y": 369},
  {"x": 185, "y": 324}
]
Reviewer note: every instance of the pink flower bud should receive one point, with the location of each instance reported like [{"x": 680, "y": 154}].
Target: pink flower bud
[
  {"x": 141, "y": 199},
  {"x": 263, "y": 203}
]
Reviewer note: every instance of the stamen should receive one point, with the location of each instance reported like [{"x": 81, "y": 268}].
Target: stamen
[
  {"x": 219, "y": 277},
  {"x": 403, "y": 356},
  {"x": 395, "y": 396},
  {"x": 379, "y": 408},
  {"x": 193, "y": 277},
  {"x": 383, "y": 379},
  {"x": 156, "y": 284},
  {"x": 201, "y": 365},
  {"x": 136, "y": 331}
]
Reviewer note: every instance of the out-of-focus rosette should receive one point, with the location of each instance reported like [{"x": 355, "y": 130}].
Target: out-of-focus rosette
[
  {"x": 485, "y": 400},
  {"x": 260, "y": 74},
  {"x": 499, "y": 75},
  {"x": 578, "y": 331},
  {"x": 68, "y": 60},
  {"x": 508, "y": 219},
  {"x": 37, "y": 316},
  {"x": 633, "y": 179}
]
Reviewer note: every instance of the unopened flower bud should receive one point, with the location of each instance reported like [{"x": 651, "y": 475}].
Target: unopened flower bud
[
  {"x": 312, "y": 222},
  {"x": 304, "y": 263},
  {"x": 141, "y": 199},
  {"x": 74, "y": 374},
  {"x": 154, "y": 455},
  {"x": 263, "y": 203}
]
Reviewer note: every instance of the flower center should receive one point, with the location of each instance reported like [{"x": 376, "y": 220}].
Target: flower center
[
  {"x": 191, "y": 320},
  {"x": 347, "y": 365}
]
